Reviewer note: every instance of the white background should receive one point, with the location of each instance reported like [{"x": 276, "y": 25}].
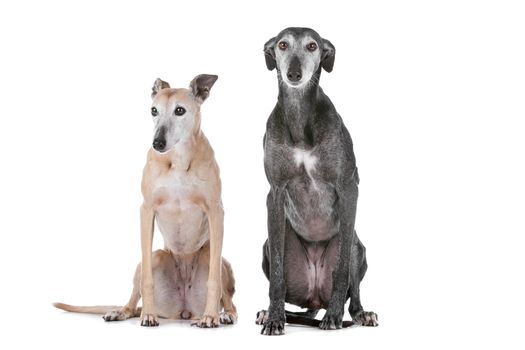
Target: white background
[{"x": 433, "y": 96}]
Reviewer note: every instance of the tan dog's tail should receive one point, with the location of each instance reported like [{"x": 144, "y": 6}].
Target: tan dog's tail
[{"x": 98, "y": 310}]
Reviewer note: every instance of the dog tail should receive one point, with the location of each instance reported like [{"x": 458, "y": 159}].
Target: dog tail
[
  {"x": 312, "y": 322},
  {"x": 98, "y": 310}
]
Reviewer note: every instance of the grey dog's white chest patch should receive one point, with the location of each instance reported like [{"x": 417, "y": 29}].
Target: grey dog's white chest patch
[{"x": 306, "y": 159}]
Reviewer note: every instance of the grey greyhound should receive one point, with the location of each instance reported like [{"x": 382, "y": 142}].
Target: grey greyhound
[{"x": 312, "y": 257}]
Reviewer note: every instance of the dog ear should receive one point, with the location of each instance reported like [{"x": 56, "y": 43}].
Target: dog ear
[
  {"x": 269, "y": 54},
  {"x": 201, "y": 85},
  {"x": 158, "y": 85},
  {"x": 328, "y": 56}
]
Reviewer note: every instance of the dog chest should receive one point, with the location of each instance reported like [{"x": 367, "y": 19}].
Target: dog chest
[
  {"x": 304, "y": 158},
  {"x": 179, "y": 214},
  {"x": 176, "y": 190},
  {"x": 284, "y": 162},
  {"x": 309, "y": 201}
]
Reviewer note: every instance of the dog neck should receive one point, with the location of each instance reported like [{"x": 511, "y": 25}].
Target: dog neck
[{"x": 299, "y": 108}]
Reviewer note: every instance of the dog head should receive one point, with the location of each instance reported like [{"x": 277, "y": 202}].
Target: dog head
[
  {"x": 299, "y": 54},
  {"x": 176, "y": 112}
]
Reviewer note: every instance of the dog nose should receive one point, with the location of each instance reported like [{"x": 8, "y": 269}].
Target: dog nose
[
  {"x": 159, "y": 144},
  {"x": 294, "y": 75}
]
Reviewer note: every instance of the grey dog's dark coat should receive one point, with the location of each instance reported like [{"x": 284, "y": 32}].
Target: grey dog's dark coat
[{"x": 313, "y": 257}]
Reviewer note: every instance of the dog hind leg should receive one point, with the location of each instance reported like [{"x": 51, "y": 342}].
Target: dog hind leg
[
  {"x": 229, "y": 314},
  {"x": 357, "y": 272},
  {"x": 130, "y": 309}
]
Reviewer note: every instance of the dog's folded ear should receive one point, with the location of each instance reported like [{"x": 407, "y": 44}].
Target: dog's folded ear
[
  {"x": 158, "y": 85},
  {"x": 328, "y": 56},
  {"x": 269, "y": 54},
  {"x": 201, "y": 85}
]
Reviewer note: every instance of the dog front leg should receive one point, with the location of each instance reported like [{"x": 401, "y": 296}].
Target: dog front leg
[
  {"x": 148, "y": 317},
  {"x": 347, "y": 203},
  {"x": 274, "y": 325},
  {"x": 211, "y": 312}
]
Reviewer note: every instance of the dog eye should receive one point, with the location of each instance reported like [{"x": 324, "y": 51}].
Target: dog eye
[
  {"x": 154, "y": 111},
  {"x": 283, "y": 45},
  {"x": 179, "y": 111},
  {"x": 311, "y": 46}
]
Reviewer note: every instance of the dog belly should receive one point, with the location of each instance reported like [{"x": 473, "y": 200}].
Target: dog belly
[
  {"x": 180, "y": 287},
  {"x": 309, "y": 207},
  {"x": 308, "y": 272},
  {"x": 185, "y": 231}
]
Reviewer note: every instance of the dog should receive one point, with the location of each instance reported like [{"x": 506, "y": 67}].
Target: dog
[
  {"x": 312, "y": 257},
  {"x": 188, "y": 279}
]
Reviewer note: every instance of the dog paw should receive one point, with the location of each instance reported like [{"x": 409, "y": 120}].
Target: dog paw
[
  {"x": 227, "y": 318},
  {"x": 367, "y": 319},
  {"x": 271, "y": 327},
  {"x": 118, "y": 315},
  {"x": 262, "y": 316},
  {"x": 207, "y": 321},
  {"x": 331, "y": 322},
  {"x": 148, "y": 320}
]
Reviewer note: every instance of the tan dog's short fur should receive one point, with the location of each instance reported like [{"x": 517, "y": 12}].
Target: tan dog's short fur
[{"x": 181, "y": 187}]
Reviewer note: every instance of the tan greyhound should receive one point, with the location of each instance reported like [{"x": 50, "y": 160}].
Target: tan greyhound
[{"x": 188, "y": 279}]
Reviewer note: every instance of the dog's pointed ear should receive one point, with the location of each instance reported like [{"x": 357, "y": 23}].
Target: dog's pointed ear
[
  {"x": 328, "y": 56},
  {"x": 269, "y": 54},
  {"x": 158, "y": 85},
  {"x": 201, "y": 85}
]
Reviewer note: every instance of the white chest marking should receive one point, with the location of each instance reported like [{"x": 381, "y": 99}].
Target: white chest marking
[
  {"x": 309, "y": 161},
  {"x": 306, "y": 158}
]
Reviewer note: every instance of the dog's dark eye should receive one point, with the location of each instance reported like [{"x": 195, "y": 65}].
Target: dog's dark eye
[
  {"x": 311, "y": 46},
  {"x": 179, "y": 111},
  {"x": 283, "y": 45},
  {"x": 154, "y": 111}
]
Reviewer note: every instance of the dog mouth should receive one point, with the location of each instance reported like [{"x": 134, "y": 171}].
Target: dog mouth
[
  {"x": 161, "y": 151},
  {"x": 295, "y": 84}
]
